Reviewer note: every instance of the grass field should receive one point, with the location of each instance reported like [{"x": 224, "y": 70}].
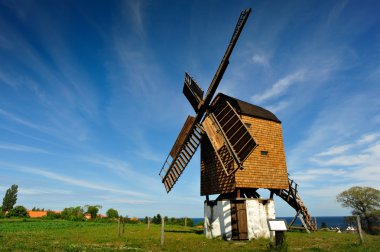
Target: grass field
[{"x": 60, "y": 235}]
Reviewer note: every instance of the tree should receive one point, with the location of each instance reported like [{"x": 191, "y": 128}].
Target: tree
[
  {"x": 364, "y": 201},
  {"x": 10, "y": 198},
  {"x": 93, "y": 210},
  {"x": 18, "y": 211},
  {"x": 73, "y": 213},
  {"x": 157, "y": 219},
  {"x": 112, "y": 213}
]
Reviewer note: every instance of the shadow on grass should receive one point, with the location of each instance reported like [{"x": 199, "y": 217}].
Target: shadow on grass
[{"x": 192, "y": 231}]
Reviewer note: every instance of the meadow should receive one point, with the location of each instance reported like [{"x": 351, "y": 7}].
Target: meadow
[{"x": 62, "y": 235}]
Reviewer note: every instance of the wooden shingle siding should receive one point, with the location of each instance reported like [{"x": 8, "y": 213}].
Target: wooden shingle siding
[
  {"x": 261, "y": 170},
  {"x": 213, "y": 177},
  {"x": 268, "y": 170}
]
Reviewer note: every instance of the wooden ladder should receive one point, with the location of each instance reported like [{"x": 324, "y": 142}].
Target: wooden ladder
[{"x": 292, "y": 197}]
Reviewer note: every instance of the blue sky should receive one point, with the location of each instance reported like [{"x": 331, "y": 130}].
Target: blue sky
[{"x": 91, "y": 96}]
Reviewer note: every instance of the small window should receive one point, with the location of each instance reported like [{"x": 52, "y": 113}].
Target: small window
[
  {"x": 264, "y": 153},
  {"x": 248, "y": 125}
]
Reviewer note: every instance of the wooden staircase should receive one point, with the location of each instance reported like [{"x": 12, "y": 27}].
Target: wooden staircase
[{"x": 292, "y": 197}]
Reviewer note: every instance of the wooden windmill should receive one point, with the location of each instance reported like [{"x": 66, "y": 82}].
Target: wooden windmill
[{"x": 241, "y": 147}]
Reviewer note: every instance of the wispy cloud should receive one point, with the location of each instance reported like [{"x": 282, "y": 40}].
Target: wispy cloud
[
  {"x": 261, "y": 59},
  {"x": 120, "y": 167},
  {"x": 135, "y": 11},
  {"x": 369, "y": 138},
  {"x": 5, "y": 78},
  {"x": 124, "y": 170},
  {"x": 280, "y": 87},
  {"x": 73, "y": 181},
  {"x": 19, "y": 120},
  {"x": 336, "y": 11},
  {"x": 127, "y": 201},
  {"x": 41, "y": 191},
  {"x": 21, "y": 148},
  {"x": 335, "y": 150},
  {"x": 278, "y": 107}
]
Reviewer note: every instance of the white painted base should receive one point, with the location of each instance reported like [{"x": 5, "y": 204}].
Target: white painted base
[{"x": 218, "y": 218}]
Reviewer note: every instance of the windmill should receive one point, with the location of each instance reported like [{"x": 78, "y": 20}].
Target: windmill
[{"x": 241, "y": 151}]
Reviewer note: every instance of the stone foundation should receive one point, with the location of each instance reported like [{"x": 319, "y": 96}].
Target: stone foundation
[{"x": 218, "y": 219}]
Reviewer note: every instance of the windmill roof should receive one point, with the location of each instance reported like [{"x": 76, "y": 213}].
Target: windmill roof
[{"x": 246, "y": 108}]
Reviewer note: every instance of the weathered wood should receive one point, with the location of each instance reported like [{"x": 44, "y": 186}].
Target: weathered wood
[
  {"x": 361, "y": 240},
  {"x": 182, "y": 135},
  {"x": 303, "y": 223},
  {"x": 239, "y": 220},
  {"x": 212, "y": 132},
  {"x": 294, "y": 219},
  {"x": 162, "y": 231}
]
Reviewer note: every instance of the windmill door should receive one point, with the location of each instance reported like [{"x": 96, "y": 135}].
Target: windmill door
[{"x": 239, "y": 220}]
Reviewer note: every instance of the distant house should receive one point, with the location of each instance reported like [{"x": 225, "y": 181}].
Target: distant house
[
  {"x": 39, "y": 214},
  {"x": 88, "y": 216}
]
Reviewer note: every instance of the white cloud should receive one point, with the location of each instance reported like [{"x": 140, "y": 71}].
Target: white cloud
[
  {"x": 39, "y": 191},
  {"x": 278, "y": 107},
  {"x": 280, "y": 87},
  {"x": 260, "y": 59},
  {"x": 346, "y": 160},
  {"x": 368, "y": 138},
  {"x": 327, "y": 191},
  {"x": 316, "y": 174},
  {"x": 335, "y": 150},
  {"x": 74, "y": 181},
  {"x": 21, "y": 148},
  {"x": 128, "y": 201},
  {"x": 21, "y": 121}
]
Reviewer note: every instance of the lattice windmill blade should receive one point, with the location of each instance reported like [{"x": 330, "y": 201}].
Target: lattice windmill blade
[
  {"x": 181, "y": 153},
  {"x": 234, "y": 132},
  {"x": 225, "y": 60},
  {"x": 191, "y": 134},
  {"x": 199, "y": 105}
]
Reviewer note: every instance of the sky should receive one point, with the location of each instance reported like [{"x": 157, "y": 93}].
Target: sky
[{"x": 91, "y": 96}]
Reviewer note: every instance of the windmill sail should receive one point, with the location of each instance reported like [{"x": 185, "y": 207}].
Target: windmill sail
[
  {"x": 191, "y": 134},
  {"x": 223, "y": 64},
  {"x": 183, "y": 150},
  {"x": 236, "y": 135},
  {"x": 193, "y": 92}
]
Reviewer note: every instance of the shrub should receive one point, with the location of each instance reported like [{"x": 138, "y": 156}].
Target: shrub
[
  {"x": 112, "y": 213},
  {"x": 133, "y": 220},
  {"x": 200, "y": 223},
  {"x": 93, "y": 210},
  {"x": 18, "y": 211},
  {"x": 52, "y": 215},
  {"x": 324, "y": 225},
  {"x": 73, "y": 214}
]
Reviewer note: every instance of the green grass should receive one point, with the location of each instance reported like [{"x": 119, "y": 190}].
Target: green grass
[{"x": 60, "y": 235}]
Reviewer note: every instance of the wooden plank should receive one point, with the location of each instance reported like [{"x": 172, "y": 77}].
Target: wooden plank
[
  {"x": 182, "y": 135},
  {"x": 212, "y": 133},
  {"x": 242, "y": 220},
  {"x": 239, "y": 220}
]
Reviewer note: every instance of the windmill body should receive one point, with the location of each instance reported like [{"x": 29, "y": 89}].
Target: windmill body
[
  {"x": 263, "y": 167},
  {"x": 242, "y": 150}
]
